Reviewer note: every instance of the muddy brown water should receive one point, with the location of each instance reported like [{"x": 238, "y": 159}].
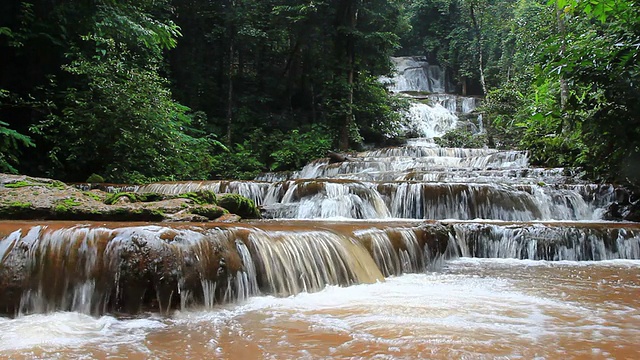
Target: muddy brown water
[{"x": 471, "y": 308}]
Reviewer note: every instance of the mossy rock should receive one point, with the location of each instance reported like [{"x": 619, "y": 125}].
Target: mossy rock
[
  {"x": 95, "y": 178},
  {"x": 16, "y": 209},
  {"x": 201, "y": 197},
  {"x": 113, "y": 198},
  {"x": 53, "y": 184},
  {"x": 134, "y": 197},
  {"x": 149, "y": 197},
  {"x": 239, "y": 205},
  {"x": 128, "y": 214},
  {"x": 210, "y": 212},
  {"x": 66, "y": 206}
]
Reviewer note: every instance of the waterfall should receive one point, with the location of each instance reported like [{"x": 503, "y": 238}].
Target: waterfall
[
  {"x": 95, "y": 269},
  {"x": 380, "y": 213},
  {"x": 434, "y": 110},
  {"x": 547, "y": 242},
  {"x": 416, "y": 74},
  {"x": 429, "y": 120},
  {"x": 253, "y": 190}
]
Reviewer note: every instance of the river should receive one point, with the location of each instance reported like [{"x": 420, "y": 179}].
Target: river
[{"x": 411, "y": 252}]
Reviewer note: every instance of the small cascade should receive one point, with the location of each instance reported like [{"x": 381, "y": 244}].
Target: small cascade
[
  {"x": 292, "y": 262},
  {"x": 416, "y": 74},
  {"x": 395, "y": 252},
  {"x": 575, "y": 242},
  {"x": 423, "y": 120},
  {"x": 309, "y": 199},
  {"x": 253, "y": 190},
  {"x": 95, "y": 269}
]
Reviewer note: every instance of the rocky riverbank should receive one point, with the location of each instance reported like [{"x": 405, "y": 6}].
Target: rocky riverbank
[{"x": 29, "y": 198}]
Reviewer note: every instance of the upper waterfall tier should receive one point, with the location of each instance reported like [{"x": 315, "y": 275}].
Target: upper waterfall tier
[
  {"x": 416, "y": 74},
  {"x": 420, "y": 182},
  {"x": 434, "y": 110}
]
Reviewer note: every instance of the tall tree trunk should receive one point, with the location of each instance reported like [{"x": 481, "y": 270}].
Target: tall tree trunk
[
  {"x": 479, "y": 43},
  {"x": 564, "y": 87},
  {"x": 230, "y": 95},
  {"x": 351, "y": 16}
]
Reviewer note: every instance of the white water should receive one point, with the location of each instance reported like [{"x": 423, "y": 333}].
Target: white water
[
  {"x": 470, "y": 308},
  {"x": 429, "y": 120},
  {"x": 473, "y": 309}
]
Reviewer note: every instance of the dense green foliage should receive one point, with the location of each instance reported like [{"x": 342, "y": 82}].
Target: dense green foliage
[
  {"x": 153, "y": 90},
  {"x": 141, "y": 90},
  {"x": 561, "y": 77},
  {"x": 576, "y": 102},
  {"x": 461, "y": 138}
]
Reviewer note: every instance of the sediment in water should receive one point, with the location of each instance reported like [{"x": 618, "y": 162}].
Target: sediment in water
[{"x": 120, "y": 268}]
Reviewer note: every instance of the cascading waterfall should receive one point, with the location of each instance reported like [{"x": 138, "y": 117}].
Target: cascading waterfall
[
  {"x": 94, "y": 270},
  {"x": 434, "y": 110},
  {"x": 423, "y": 120},
  {"x": 379, "y": 213},
  {"x": 547, "y": 242},
  {"x": 253, "y": 190},
  {"x": 416, "y": 74}
]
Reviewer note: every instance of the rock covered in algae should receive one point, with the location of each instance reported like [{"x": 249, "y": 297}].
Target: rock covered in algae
[
  {"x": 239, "y": 205},
  {"x": 29, "y": 198}
]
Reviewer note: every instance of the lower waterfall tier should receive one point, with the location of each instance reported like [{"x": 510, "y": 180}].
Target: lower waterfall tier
[{"x": 99, "y": 269}]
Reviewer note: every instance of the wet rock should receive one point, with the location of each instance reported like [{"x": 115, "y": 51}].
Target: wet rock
[
  {"x": 239, "y": 205},
  {"x": 335, "y": 157},
  {"x": 229, "y": 218},
  {"x": 210, "y": 212},
  {"x": 28, "y": 198},
  {"x": 626, "y": 207},
  {"x": 184, "y": 216}
]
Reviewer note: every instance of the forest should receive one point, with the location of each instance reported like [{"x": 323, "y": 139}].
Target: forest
[{"x": 139, "y": 91}]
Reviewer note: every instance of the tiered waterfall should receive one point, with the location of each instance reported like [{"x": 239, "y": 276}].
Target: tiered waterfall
[{"x": 381, "y": 213}]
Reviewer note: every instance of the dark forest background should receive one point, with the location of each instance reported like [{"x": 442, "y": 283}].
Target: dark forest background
[{"x": 138, "y": 91}]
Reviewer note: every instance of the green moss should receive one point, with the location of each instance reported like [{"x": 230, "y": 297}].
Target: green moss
[
  {"x": 239, "y": 205},
  {"x": 19, "y": 205},
  {"x": 19, "y": 184},
  {"x": 95, "y": 178},
  {"x": 124, "y": 214},
  {"x": 134, "y": 197},
  {"x": 201, "y": 197},
  {"x": 15, "y": 209},
  {"x": 210, "y": 212},
  {"x": 92, "y": 195},
  {"x": 55, "y": 184},
  {"x": 149, "y": 197},
  {"x": 66, "y": 206},
  {"x": 71, "y": 202},
  {"x": 112, "y": 198}
]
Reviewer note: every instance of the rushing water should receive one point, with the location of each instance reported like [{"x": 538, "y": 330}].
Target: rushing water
[
  {"x": 398, "y": 253},
  {"x": 471, "y": 308}
]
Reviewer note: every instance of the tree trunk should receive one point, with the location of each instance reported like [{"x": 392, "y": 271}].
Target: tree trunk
[
  {"x": 564, "y": 87},
  {"x": 352, "y": 16},
  {"x": 478, "y": 31},
  {"x": 230, "y": 95}
]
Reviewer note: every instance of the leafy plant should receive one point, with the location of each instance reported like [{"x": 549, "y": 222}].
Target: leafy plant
[
  {"x": 297, "y": 149},
  {"x": 461, "y": 138}
]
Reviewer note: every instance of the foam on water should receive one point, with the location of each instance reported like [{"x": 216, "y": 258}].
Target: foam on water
[
  {"x": 475, "y": 308},
  {"x": 71, "y": 330}
]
